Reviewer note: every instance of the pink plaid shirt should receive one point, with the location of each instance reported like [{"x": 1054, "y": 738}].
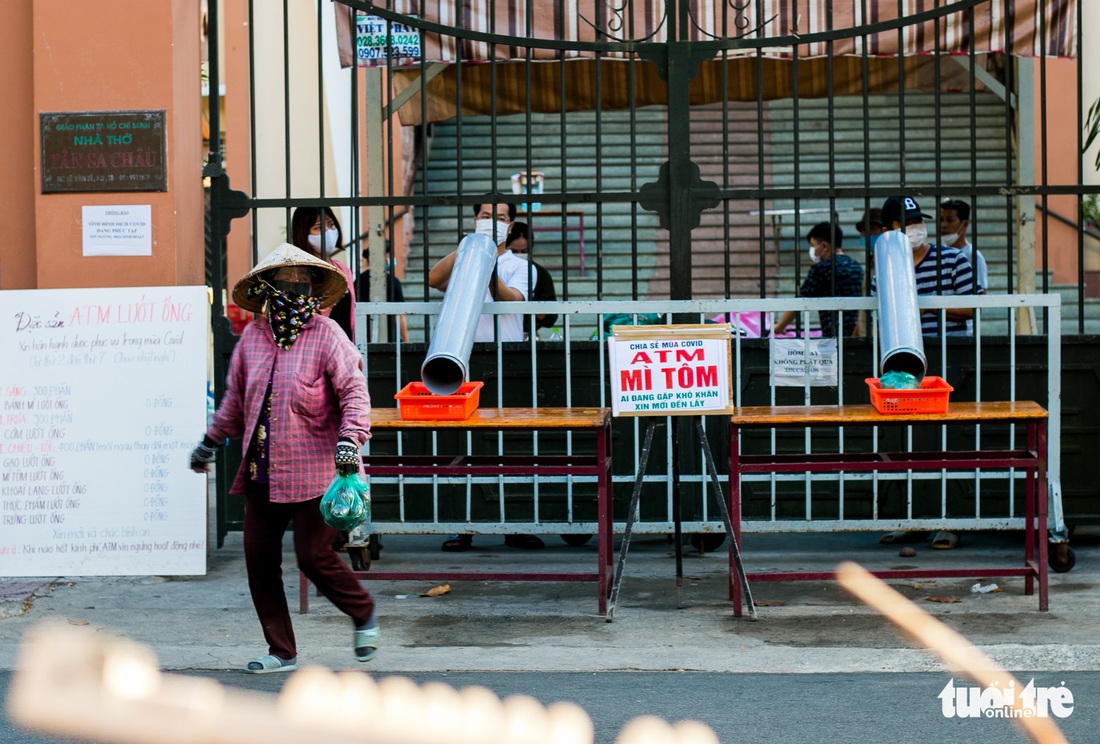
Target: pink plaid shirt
[{"x": 318, "y": 394}]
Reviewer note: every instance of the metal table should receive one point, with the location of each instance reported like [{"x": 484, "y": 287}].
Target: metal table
[
  {"x": 1032, "y": 460},
  {"x": 597, "y": 420}
]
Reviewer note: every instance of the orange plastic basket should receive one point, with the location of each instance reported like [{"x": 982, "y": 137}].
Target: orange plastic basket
[
  {"x": 931, "y": 398},
  {"x": 416, "y": 403}
]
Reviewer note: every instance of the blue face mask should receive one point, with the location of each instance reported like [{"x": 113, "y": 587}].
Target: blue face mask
[{"x": 868, "y": 241}]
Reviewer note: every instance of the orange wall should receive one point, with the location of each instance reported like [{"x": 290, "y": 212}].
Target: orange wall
[
  {"x": 114, "y": 55},
  {"x": 237, "y": 144},
  {"x": 1062, "y": 157},
  {"x": 17, "y": 159}
]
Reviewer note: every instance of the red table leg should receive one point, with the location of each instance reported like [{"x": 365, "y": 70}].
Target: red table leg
[
  {"x": 1042, "y": 509},
  {"x": 1029, "y": 512},
  {"x": 606, "y": 534},
  {"x": 735, "y": 514}
]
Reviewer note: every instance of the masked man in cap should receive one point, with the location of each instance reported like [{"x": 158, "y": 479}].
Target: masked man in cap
[
  {"x": 941, "y": 270},
  {"x": 296, "y": 396}
]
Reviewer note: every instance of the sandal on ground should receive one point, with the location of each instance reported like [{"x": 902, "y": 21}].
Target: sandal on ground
[
  {"x": 270, "y": 664},
  {"x": 903, "y": 536},
  {"x": 945, "y": 541},
  {"x": 366, "y": 643},
  {"x": 457, "y": 544},
  {"x": 527, "y": 542}
]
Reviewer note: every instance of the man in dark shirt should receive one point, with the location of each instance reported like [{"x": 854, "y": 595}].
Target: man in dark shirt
[
  {"x": 832, "y": 275},
  {"x": 519, "y": 242},
  {"x": 394, "y": 293}
]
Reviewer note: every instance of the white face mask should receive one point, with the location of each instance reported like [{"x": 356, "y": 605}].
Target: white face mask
[
  {"x": 949, "y": 239},
  {"x": 489, "y": 227},
  {"x": 330, "y": 240},
  {"x": 918, "y": 235},
  {"x": 813, "y": 255}
]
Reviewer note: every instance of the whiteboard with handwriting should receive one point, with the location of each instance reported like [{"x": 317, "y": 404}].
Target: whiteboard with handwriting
[{"x": 102, "y": 398}]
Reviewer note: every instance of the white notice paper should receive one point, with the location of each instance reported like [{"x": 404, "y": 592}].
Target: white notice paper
[
  {"x": 102, "y": 398},
  {"x": 793, "y": 359},
  {"x": 120, "y": 230}
]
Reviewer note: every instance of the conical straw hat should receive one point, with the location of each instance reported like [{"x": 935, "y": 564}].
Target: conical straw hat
[{"x": 331, "y": 286}]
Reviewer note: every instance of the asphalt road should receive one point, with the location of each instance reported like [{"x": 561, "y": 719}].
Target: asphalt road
[{"x": 759, "y": 708}]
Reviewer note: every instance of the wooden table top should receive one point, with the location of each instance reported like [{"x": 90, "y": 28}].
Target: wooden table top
[
  {"x": 866, "y": 414},
  {"x": 501, "y": 418}
]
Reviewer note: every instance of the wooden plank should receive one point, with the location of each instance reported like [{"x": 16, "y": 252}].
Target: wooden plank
[
  {"x": 963, "y": 412},
  {"x": 501, "y": 418}
]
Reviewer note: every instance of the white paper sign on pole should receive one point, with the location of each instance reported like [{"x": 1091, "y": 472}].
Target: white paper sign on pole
[
  {"x": 119, "y": 230},
  {"x": 102, "y": 398},
  {"x": 669, "y": 370},
  {"x": 792, "y": 359}
]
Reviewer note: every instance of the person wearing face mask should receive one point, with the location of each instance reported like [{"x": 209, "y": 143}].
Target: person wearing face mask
[
  {"x": 869, "y": 228},
  {"x": 832, "y": 274},
  {"x": 316, "y": 231},
  {"x": 940, "y": 270},
  {"x": 296, "y": 397},
  {"x": 509, "y": 282},
  {"x": 954, "y": 221}
]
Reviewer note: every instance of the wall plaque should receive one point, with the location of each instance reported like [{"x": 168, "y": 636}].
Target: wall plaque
[{"x": 103, "y": 151}]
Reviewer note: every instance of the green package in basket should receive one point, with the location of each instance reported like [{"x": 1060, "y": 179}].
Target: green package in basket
[
  {"x": 899, "y": 381},
  {"x": 346, "y": 503}
]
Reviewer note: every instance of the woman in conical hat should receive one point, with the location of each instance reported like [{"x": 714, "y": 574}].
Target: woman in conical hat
[
  {"x": 296, "y": 397},
  {"x": 329, "y": 286}
]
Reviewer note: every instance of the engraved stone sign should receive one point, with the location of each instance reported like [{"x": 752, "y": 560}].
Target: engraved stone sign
[{"x": 103, "y": 151}]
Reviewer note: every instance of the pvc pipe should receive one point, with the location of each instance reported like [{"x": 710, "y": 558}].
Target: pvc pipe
[
  {"x": 446, "y": 366},
  {"x": 901, "y": 342}
]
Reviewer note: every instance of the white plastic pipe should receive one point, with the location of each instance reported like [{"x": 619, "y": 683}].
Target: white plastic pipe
[
  {"x": 900, "y": 339},
  {"x": 446, "y": 366}
]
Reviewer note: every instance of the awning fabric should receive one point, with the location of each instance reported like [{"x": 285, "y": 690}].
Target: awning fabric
[
  {"x": 511, "y": 92},
  {"x": 999, "y": 27},
  {"x": 1010, "y": 26}
]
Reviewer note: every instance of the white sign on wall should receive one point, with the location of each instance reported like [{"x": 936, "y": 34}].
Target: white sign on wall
[
  {"x": 666, "y": 370},
  {"x": 102, "y": 398},
  {"x": 118, "y": 230},
  {"x": 794, "y": 360}
]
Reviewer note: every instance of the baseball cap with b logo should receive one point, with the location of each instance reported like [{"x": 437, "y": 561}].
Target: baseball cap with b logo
[{"x": 900, "y": 209}]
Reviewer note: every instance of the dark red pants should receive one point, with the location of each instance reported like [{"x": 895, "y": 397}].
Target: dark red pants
[{"x": 265, "y": 524}]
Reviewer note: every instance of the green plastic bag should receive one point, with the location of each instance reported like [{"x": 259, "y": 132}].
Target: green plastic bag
[
  {"x": 346, "y": 503},
  {"x": 899, "y": 381},
  {"x": 629, "y": 319}
]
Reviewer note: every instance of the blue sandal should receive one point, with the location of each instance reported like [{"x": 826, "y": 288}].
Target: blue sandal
[{"x": 269, "y": 664}]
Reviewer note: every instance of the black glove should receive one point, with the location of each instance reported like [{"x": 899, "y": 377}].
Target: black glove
[
  {"x": 347, "y": 457},
  {"x": 202, "y": 456}
]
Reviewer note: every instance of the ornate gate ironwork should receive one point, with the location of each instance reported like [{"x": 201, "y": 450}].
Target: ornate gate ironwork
[{"x": 694, "y": 142}]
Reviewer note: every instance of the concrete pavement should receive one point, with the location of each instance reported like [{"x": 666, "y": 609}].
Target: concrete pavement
[{"x": 207, "y": 622}]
